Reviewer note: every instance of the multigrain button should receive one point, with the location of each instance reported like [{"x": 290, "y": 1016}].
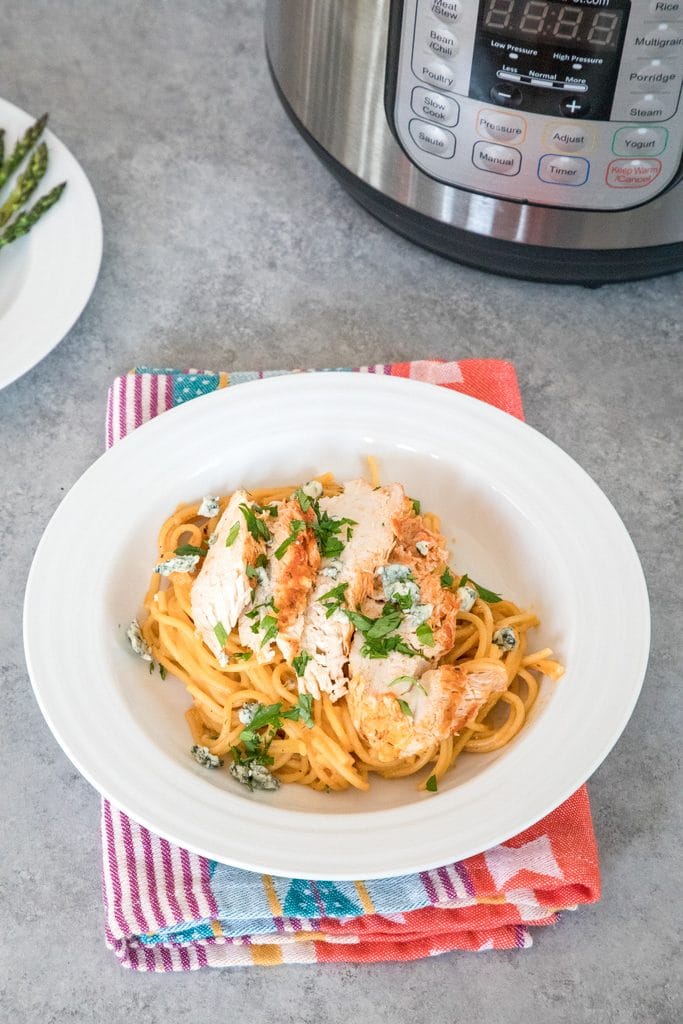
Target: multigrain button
[
  {"x": 652, "y": 106},
  {"x": 662, "y": 39},
  {"x": 640, "y": 141},
  {"x": 569, "y": 139},
  {"x": 441, "y": 41},
  {"x": 447, "y": 10},
  {"x": 496, "y": 159},
  {"x": 563, "y": 170},
  {"x": 501, "y": 127},
  {"x": 432, "y": 139},
  {"x": 436, "y": 73},
  {"x": 434, "y": 106},
  {"x": 632, "y": 173},
  {"x": 666, "y": 10}
]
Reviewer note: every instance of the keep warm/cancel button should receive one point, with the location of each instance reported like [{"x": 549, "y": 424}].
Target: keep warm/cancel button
[{"x": 632, "y": 173}]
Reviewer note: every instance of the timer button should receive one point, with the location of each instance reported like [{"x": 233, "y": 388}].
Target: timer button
[
  {"x": 506, "y": 95},
  {"x": 434, "y": 106},
  {"x": 669, "y": 10},
  {"x": 432, "y": 139},
  {"x": 447, "y": 10},
  {"x": 575, "y": 106},
  {"x": 563, "y": 170},
  {"x": 640, "y": 141}
]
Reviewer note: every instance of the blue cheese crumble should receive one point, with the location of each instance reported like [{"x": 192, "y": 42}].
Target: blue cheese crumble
[
  {"x": 423, "y": 547},
  {"x": 467, "y": 596},
  {"x": 254, "y": 776},
  {"x": 505, "y": 638},
  {"x": 209, "y": 507},
  {"x": 313, "y": 489},
  {"x": 181, "y": 563},
  {"x": 247, "y": 712},
  {"x": 137, "y": 641},
  {"x": 332, "y": 570},
  {"x": 204, "y": 757}
]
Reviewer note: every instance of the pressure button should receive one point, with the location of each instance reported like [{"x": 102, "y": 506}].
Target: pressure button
[{"x": 502, "y": 127}]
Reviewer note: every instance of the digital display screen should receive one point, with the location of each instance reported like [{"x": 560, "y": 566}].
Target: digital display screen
[{"x": 551, "y": 23}]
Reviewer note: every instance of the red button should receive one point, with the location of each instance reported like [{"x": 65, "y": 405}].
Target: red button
[{"x": 632, "y": 173}]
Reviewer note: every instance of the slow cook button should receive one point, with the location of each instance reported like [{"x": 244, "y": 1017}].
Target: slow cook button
[
  {"x": 501, "y": 127},
  {"x": 447, "y": 10},
  {"x": 441, "y": 41},
  {"x": 563, "y": 170},
  {"x": 640, "y": 141},
  {"x": 436, "y": 73},
  {"x": 652, "y": 107},
  {"x": 496, "y": 159},
  {"x": 431, "y": 139},
  {"x": 632, "y": 173},
  {"x": 434, "y": 106}
]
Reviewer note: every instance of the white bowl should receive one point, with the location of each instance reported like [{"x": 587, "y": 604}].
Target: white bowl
[{"x": 522, "y": 518}]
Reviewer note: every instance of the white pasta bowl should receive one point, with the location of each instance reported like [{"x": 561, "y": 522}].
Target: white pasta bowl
[{"x": 520, "y": 516}]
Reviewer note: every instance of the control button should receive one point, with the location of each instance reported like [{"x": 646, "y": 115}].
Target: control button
[
  {"x": 501, "y": 127},
  {"x": 652, "y": 106},
  {"x": 563, "y": 170},
  {"x": 655, "y": 74},
  {"x": 434, "y": 106},
  {"x": 640, "y": 141},
  {"x": 436, "y": 73},
  {"x": 569, "y": 140},
  {"x": 442, "y": 41},
  {"x": 665, "y": 10},
  {"x": 632, "y": 173},
  {"x": 496, "y": 159},
  {"x": 660, "y": 39},
  {"x": 431, "y": 139},
  {"x": 574, "y": 106},
  {"x": 506, "y": 95},
  {"x": 447, "y": 10}
]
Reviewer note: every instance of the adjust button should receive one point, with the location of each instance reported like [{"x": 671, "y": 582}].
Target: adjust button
[
  {"x": 432, "y": 139},
  {"x": 563, "y": 170},
  {"x": 496, "y": 159},
  {"x": 436, "y": 73},
  {"x": 501, "y": 127},
  {"x": 447, "y": 10},
  {"x": 640, "y": 141},
  {"x": 652, "y": 106},
  {"x": 441, "y": 41},
  {"x": 434, "y": 106},
  {"x": 569, "y": 138},
  {"x": 632, "y": 173}
]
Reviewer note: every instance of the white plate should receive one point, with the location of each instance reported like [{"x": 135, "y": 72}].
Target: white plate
[
  {"x": 47, "y": 277},
  {"x": 522, "y": 517}
]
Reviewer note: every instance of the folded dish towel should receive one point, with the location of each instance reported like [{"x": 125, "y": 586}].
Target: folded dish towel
[{"x": 170, "y": 910}]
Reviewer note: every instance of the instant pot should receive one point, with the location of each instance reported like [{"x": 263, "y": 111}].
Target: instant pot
[{"x": 536, "y": 138}]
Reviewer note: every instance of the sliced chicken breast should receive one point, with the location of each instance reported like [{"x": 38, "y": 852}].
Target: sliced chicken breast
[
  {"x": 222, "y": 589},
  {"x": 351, "y": 552}
]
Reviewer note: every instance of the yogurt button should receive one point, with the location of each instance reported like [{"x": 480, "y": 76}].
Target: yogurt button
[{"x": 640, "y": 141}]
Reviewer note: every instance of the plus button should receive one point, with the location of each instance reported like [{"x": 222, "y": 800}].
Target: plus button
[{"x": 574, "y": 107}]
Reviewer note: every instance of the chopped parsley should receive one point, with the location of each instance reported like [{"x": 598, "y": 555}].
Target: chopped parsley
[
  {"x": 410, "y": 681},
  {"x": 221, "y": 635},
  {"x": 447, "y": 579},
  {"x": 162, "y": 671},
  {"x": 302, "y": 711},
  {"x": 334, "y": 599},
  {"x": 252, "y": 763},
  {"x": 375, "y": 632},
  {"x": 431, "y": 784},
  {"x": 269, "y": 624},
  {"x": 232, "y": 535},
  {"x": 425, "y": 635},
  {"x": 305, "y": 500},
  {"x": 484, "y": 594},
  {"x": 272, "y": 510},
  {"x": 405, "y": 707},
  {"x": 242, "y": 656},
  {"x": 416, "y": 506},
  {"x": 300, "y": 662},
  {"x": 257, "y": 528},
  {"x": 190, "y": 549},
  {"x": 297, "y": 525}
]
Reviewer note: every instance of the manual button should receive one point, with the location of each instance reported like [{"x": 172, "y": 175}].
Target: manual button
[
  {"x": 434, "y": 106},
  {"x": 501, "y": 127},
  {"x": 432, "y": 139},
  {"x": 563, "y": 170},
  {"x": 496, "y": 159},
  {"x": 640, "y": 141}
]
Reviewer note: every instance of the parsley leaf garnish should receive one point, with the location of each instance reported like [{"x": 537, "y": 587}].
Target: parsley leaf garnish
[
  {"x": 297, "y": 525},
  {"x": 431, "y": 784},
  {"x": 190, "y": 549},
  {"x": 305, "y": 500},
  {"x": 425, "y": 635},
  {"x": 300, "y": 662},
  {"x": 302, "y": 711},
  {"x": 232, "y": 535},
  {"x": 162, "y": 671},
  {"x": 484, "y": 594},
  {"x": 446, "y": 579},
  {"x": 405, "y": 707},
  {"x": 374, "y": 631},
  {"x": 269, "y": 623},
  {"x": 334, "y": 599},
  {"x": 257, "y": 528},
  {"x": 326, "y": 529},
  {"x": 242, "y": 656},
  {"x": 416, "y": 506},
  {"x": 221, "y": 635}
]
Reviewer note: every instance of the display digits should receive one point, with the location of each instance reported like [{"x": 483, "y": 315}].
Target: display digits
[
  {"x": 499, "y": 13},
  {"x": 533, "y": 18},
  {"x": 603, "y": 29},
  {"x": 567, "y": 25}
]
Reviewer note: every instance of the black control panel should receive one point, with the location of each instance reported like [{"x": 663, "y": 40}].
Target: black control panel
[{"x": 552, "y": 57}]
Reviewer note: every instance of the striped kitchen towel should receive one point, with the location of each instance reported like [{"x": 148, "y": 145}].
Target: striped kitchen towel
[{"x": 171, "y": 910}]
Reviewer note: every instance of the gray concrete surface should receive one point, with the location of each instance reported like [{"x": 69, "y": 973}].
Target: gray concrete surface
[{"x": 227, "y": 245}]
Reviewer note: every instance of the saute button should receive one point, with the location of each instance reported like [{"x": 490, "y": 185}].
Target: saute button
[
  {"x": 563, "y": 170},
  {"x": 632, "y": 173},
  {"x": 496, "y": 159},
  {"x": 640, "y": 141},
  {"x": 434, "y": 106},
  {"x": 501, "y": 127},
  {"x": 432, "y": 139},
  {"x": 447, "y": 10}
]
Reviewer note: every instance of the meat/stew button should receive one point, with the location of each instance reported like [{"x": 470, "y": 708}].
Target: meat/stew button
[{"x": 632, "y": 173}]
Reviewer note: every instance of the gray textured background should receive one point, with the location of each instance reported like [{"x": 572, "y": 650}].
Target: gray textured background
[{"x": 226, "y": 246}]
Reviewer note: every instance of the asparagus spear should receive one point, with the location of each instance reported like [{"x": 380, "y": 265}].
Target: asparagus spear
[
  {"x": 22, "y": 147},
  {"x": 25, "y": 221},
  {"x": 26, "y": 184}
]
